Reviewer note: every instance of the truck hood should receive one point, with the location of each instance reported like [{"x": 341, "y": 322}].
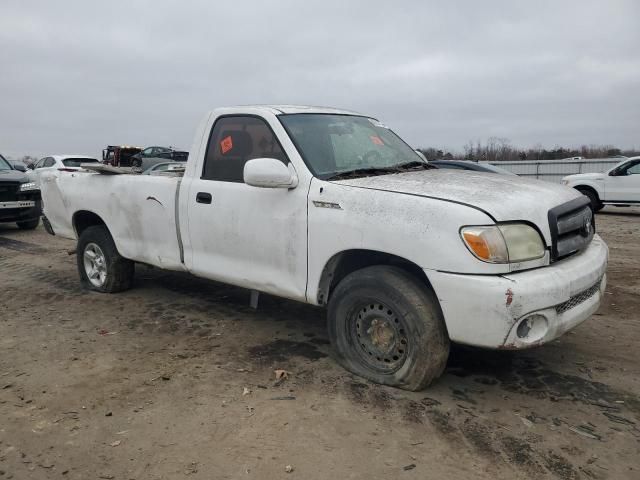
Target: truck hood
[
  {"x": 503, "y": 197},
  {"x": 13, "y": 176}
]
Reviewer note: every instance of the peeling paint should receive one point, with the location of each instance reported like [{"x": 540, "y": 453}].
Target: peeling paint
[
  {"x": 498, "y": 195},
  {"x": 509, "y": 295}
]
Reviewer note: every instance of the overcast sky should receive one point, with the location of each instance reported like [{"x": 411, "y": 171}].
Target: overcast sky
[{"x": 78, "y": 75}]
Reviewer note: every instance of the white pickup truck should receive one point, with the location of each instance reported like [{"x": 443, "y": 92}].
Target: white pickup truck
[
  {"x": 332, "y": 208},
  {"x": 618, "y": 186}
]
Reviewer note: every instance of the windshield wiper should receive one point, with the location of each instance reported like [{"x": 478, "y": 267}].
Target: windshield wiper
[
  {"x": 414, "y": 165},
  {"x": 363, "y": 172},
  {"x": 373, "y": 171}
]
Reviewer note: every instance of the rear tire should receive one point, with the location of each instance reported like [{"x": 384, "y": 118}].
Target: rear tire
[
  {"x": 100, "y": 266},
  {"x": 29, "y": 224},
  {"x": 386, "y": 326},
  {"x": 596, "y": 205}
]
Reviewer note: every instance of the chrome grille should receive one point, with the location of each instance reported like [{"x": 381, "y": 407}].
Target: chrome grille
[
  {"x": 579, "y": 298},
  {"x": 572, "y": 227}
]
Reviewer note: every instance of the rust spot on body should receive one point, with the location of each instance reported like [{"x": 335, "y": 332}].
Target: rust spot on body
[{"x": 509, "y": 295}]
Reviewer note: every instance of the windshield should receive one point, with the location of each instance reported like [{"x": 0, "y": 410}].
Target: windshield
[
  {"x": 4, "y": 165},
  {"x": 620, "y": 166},
  {"x": 334, "y": 144},
  {"x": 75, "y": 162}
]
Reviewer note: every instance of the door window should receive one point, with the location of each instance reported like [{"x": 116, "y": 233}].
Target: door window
[
  {"x": 234, "y": 141},
  {"x": 633, "y": 169},
  {"x": 46, "y": 162}
]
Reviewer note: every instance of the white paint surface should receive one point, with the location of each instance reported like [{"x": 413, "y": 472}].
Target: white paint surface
[{"x": 277, "y": 240}]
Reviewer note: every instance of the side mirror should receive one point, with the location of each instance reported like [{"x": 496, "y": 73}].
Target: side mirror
[
  {"x": 20, "y": 167},
  {"x": 269, "y": 173}
]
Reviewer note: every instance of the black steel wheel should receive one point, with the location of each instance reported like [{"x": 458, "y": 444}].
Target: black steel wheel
[
  {"x": 380, "y": 336},
  {"x": 386, "y": 325}
]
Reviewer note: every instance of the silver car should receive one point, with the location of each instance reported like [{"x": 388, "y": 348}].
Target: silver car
[
  {"x": 165, "y": 167},
  {"x": 153, "y": 155}
]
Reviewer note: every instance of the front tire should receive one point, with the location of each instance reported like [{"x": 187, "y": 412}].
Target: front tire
[
  {"x": 100, "y": 266},
  {"x": 596, "y": 205},
  {"x": 29, "y": 224},
  {"x": 387, "y": 326}
]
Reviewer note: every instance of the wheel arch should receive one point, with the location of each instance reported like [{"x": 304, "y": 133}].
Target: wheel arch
[
  {"x": 584, "y": 187},
  {"x": 84, "y": 219},
  {"x": 343, "y": 263}
]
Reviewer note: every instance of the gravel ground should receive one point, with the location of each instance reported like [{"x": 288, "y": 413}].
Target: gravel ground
[{"x": 175, "y": 379}]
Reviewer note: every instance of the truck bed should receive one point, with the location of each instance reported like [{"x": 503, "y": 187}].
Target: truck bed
[{"x": 140, "y": 211}]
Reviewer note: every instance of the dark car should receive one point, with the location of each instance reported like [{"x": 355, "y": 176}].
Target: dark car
[
  {"x": 20, "y": 200},
  {"x": 150, "y": 156},
  {"x": 467, "y": 165}
]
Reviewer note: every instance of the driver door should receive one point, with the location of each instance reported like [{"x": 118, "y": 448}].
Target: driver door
[
  {"x": 624, "y": 186},
  {"x": 239, "y": 234}
]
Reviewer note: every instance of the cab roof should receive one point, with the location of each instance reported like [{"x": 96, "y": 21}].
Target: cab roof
[{"x": 289, "y": 109}]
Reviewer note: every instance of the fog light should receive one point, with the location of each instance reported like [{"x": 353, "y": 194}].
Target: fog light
[{"x": 532, "y": 328}]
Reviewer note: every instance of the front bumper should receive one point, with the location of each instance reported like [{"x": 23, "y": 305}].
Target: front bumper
[
  {"x": 523, "y": 309},
  {"x": 20, "y": 210}
]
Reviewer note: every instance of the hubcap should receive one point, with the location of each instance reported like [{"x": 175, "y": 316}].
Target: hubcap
[
  {"x": 380, "y": 337},
  {"x": 95, "y": 264}
]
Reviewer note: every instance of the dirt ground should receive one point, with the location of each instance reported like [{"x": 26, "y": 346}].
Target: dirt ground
[{"x": 150, "y": 384}]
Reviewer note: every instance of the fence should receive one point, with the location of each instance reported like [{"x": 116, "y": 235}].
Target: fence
[{"x": 554, "y": 170}]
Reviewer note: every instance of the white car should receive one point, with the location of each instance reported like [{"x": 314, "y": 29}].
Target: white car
[
  {"x": 65, "y": 163},
  {"x": 618, "y": 186},
  {"x": 332, "y": 208}
]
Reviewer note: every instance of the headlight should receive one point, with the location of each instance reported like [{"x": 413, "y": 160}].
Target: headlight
[
  {"x": 506, "y": 243},
  {"x": 486, "y": 243},
  {"x": 28, "y": 186},
  {"x": 564, "y": 182}
]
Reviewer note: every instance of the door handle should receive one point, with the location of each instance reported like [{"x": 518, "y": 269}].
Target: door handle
[{"x": 203, "y": 197}]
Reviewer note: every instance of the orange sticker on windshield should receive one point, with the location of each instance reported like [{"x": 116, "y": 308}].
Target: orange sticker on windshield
[
  {"x": 226, "y": 144},
  {"x": 376, "y": 140}
]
